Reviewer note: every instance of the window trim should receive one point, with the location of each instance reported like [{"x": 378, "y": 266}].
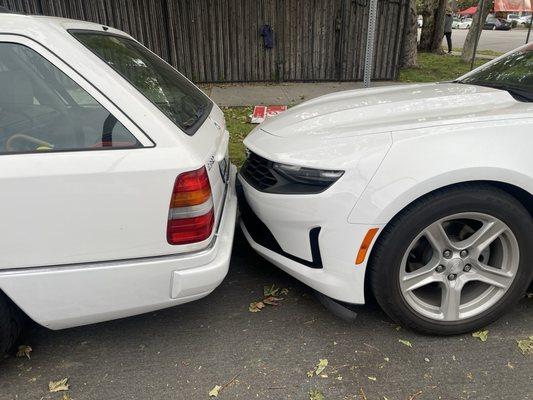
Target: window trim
[
  {"x": 144, "y": 140},
  {"x": 188, "y": 131}
]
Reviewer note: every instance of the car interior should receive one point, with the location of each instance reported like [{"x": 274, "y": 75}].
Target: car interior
[{"x": 42, "y": 109}]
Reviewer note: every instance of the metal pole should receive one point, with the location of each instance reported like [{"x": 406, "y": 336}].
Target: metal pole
[
  {"x": 529, "y": 29},
  {"x": 479, "y": 26},
  {"x": 371, "y": 33}
]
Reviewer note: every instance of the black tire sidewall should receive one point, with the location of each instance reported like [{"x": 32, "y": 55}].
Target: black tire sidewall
[{"x": 395, "y": 241}]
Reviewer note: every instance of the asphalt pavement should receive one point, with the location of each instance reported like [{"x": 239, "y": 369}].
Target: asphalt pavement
[
  {"x": 183, "y": 352},
  {"x": 500, "y": 41}
]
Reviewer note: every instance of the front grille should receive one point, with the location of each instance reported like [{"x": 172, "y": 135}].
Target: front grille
[{"x": 257, "y": 171}]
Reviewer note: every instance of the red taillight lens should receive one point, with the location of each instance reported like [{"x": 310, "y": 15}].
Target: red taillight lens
[{"x": 191, "y": 216}]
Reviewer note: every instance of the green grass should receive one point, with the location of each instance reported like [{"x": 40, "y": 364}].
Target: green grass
[
  {"x": 483, "y": 52},
  {"x": 432, "y": 68},
  {"x": 239, "y": 126},
  {"x": 435, "y": 68}
]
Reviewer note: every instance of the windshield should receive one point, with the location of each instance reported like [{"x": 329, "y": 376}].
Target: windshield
[
  {"x": 513, "y": 73},
  {"x": 166, "y": 88}
]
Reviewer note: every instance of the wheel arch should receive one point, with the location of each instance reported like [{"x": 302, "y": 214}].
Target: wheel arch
[{"x": 521, "y": 195}]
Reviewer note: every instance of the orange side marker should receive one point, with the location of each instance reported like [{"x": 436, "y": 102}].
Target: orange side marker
[{"x": 365, "y": 245}]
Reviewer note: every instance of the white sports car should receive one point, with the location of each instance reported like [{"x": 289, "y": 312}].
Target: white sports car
[{"x": 419, "y": 194}]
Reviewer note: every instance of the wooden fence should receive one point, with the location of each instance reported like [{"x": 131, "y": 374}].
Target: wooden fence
[{"x": 220, "y": 41}]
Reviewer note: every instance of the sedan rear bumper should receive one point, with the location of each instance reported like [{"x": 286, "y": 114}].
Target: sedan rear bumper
[{"x": 67, "y": 296}]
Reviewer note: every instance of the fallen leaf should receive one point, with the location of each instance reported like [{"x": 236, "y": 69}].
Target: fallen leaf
[
  {"x": 526, "y": 345},
  {"x": 405, "y": 342},
  {"x": 481, "y": 335},
  {"x": 509, "y": 365},
  {"x": 58, "y": 386},
  {"x": 316, "y": 394},
  {"x": 272, "y": 301},
  {"x": 66, "y": 396},
  {"x": 470, "y": 376},
  {"x": 321, "y": 366},
  {"x": 256, "y": 307},
  {"x": 387, "y": 359},
  {"x": 24, "y": 351},
  {"x": 215, "y": 391},
  {"x": 270, "y": 290},
  {"x": 372, "y": 378}
]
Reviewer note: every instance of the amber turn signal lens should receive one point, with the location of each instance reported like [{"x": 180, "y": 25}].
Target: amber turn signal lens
[{"x": 365, "y": 245}]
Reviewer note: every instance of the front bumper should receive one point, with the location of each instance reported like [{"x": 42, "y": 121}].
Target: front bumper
[
  {"x": 281, "y": 228},
  {"x": 67, "y": 296}
]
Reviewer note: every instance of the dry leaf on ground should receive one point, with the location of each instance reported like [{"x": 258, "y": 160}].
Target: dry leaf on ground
[
  {"x": 526, "y": 345},
  {"x": 269, "y": 293},
  {"x": 24, "y": 351},
  {"x": 481, "y": 335},
  {"x": 215, "y": 391},
  {"x": 405, "y": 342},
  {"x": 316, "y": 394},
  {"x": 319, "y": 368},
  {"x": 256, "y": 307},
  {"x": 272, "y": 301},
  {"x": 58, "y": 386}
]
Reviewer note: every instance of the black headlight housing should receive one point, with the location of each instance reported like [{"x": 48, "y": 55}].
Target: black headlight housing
[{"x": 272, "y": 177}]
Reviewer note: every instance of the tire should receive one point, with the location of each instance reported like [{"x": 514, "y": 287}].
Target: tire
[
  {"x": 404, "y": 243},
  {"x": 11, "y": 322}
]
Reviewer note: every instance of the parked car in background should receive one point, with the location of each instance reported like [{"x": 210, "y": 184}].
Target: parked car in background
[
  {"x": 420, "y": 194},
  {"x": 455, "y": 23},
  {"x": 466, "y": 23},
  {"x": 496, "y": 24},
  {"x": 117, "y": 193},
  {"x": 524, "y": 20},
  {"x": 512, "y": 17}
]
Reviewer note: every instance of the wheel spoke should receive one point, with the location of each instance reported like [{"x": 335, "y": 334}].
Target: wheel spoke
[
  {"x": 436, "y": 235},
  {"x": 451, "y": 300},
  {"x": 490, "y": 275},
  {"x": 484, "y": 236},
  {"x": 421, "y": 277}
]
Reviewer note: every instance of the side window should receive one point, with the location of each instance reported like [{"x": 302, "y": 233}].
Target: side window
[{"x": 42, "y": 109}]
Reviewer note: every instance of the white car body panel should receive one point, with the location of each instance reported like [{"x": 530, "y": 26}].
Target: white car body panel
[
  {"x": 72, "y": 210},
  {"x": 395, "y": 145}
]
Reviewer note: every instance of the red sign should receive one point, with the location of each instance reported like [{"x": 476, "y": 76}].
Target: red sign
[
  {"x": 263, "y": 112},
  {"x": 512, "y": 5}
]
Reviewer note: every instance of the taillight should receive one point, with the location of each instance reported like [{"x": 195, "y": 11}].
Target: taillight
[{"x": 191, "y": 216}]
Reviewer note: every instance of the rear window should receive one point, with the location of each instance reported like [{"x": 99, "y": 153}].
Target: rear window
[{"x": 181, "y": 101}]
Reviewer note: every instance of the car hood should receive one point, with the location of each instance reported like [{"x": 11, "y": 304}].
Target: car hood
[{"x": 393, "y": 108}]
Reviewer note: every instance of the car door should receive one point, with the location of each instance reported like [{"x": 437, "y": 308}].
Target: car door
[{"x": 79, "y": 180}]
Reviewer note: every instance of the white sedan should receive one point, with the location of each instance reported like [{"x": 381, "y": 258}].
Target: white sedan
[
  {"x": 465, "y": 23},
  {"x": 117, "y": 194},
  {"x": 421, "y": 195}
]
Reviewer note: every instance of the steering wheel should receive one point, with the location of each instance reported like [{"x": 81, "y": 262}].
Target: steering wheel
[{"x": 20, "y": 136}]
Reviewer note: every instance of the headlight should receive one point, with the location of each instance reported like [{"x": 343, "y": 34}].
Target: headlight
[
  {"x": 272, "y": 177},
  {"x": 308, "y": 176}
]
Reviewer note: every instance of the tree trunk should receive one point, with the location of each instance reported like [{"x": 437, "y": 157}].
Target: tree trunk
[
  {"x": 433, "y": 12},
  {"x": 475, "y": 29},
  {"x": 409, "y": 52}
]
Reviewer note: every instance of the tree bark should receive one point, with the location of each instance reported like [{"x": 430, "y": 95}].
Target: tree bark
[
  {"x": 475, "y": 29},
  {"x": 433, "y": 12},
  {"x": 409, "y": 51}
]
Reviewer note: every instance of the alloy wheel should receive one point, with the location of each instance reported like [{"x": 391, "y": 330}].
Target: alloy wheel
[{"x": 459, "y": 266}]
